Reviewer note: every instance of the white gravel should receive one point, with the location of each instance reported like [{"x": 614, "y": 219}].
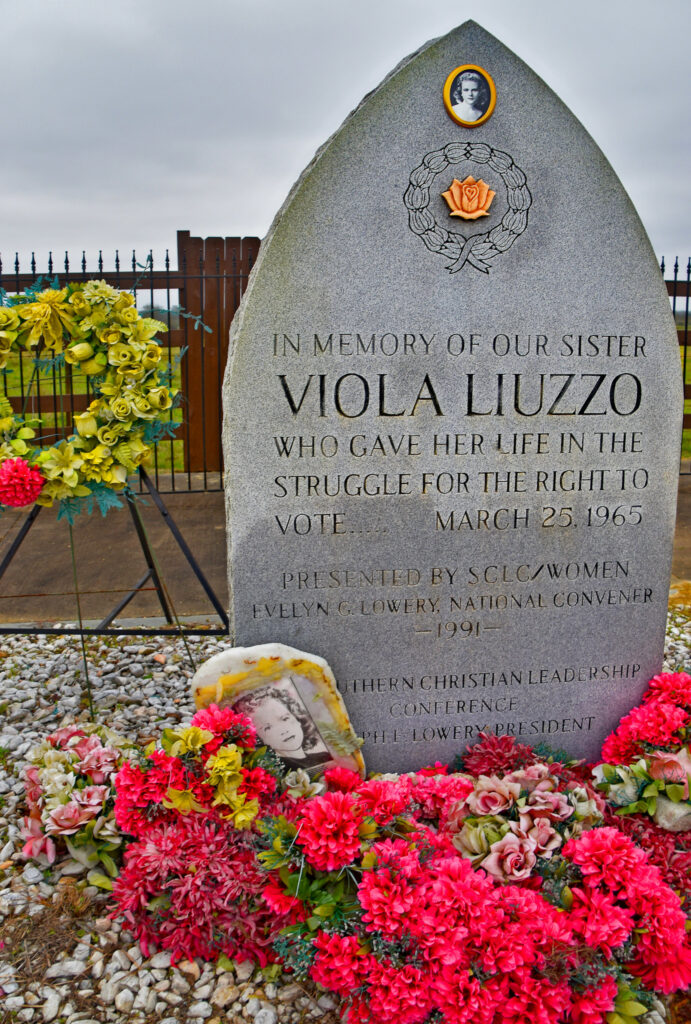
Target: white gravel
[{"x": 138, "y": 687}]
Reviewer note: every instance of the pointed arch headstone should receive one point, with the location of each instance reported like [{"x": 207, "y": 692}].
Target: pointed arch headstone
[{"x": 452, "y": 418}]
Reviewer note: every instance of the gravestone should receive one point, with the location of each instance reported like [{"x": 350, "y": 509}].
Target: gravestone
[{"x": 452, "y": 418}]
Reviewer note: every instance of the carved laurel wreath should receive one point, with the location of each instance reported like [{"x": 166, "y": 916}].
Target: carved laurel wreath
[{"x": 480, "y": 249}]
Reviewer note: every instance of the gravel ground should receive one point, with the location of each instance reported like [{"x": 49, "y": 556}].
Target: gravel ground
[{"x": 61, "y": 957}]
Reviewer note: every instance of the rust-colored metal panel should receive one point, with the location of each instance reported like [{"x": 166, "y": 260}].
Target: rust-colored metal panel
[
  {"x": 190, "y": 263},
  {"x": 210, "y": 342}
]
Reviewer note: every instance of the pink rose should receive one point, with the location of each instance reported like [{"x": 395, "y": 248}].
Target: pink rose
[
  {"x": 528, "y": 778},
  {"x": 96, "y": 760},
  {"x": 91, "y": 796},
  {"x": 456, "y": 816},
  {"x": 544, "y": 802},
  {"x": 61, "y": 737},
  {"x": 69, "y": 818},
  {"x": 672, "y": 767},
  {"x": 511, "y": 859},
  {"x": 492, "y": 795},
  {"x": 539, "y": 832},
  {"x": 38, "y": 845},
  {"x": 33, "y": 788}
]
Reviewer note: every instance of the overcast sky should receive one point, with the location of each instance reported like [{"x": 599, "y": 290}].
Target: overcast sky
[{"x": 124, "y": 120}]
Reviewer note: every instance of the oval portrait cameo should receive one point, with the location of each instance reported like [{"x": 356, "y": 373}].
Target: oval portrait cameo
[{"x": 469, "y": 95}]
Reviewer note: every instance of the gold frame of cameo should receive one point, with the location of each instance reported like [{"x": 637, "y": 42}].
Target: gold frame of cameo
[
  {"x": 449, "y": 103},
  {"x": 291, "y": 698}
]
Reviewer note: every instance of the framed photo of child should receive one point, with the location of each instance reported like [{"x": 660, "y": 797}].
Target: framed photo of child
[{"x": 292, "y": 700}]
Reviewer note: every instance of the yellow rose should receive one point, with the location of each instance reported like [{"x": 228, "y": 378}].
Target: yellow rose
[
  {"x": 121, "y": 408},
  {"x": 109, "y": 435},
  {"x": 159, "y": 398},
  {"x": 109, "y": 335},
  {"x": 79, "y": 304},
  {"x": 95, "y": 365},
  {"x": 131, "y": 371},
  {"x": 79, "y": 352},
  {"x": 121, "y": 352},
  {"x": 6, "y": 342},
  {"x": 152, "y": 356},
  {"x": 123, "y": 304},
  {"x": 86, "y": 424},
  {"x": 9, "y": 329},
  {"x": 142, "y": 408},
  {"x": 9, "y": 320}
]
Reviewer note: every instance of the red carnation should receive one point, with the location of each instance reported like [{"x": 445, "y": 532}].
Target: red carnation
[
  {"x": 329, "y": 830},
  {"x": 20, "y": 483},
  {"x": 497, "y": 755}
]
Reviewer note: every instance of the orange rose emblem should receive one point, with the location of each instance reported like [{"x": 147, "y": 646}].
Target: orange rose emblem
[{"x": 469, "y": 199}]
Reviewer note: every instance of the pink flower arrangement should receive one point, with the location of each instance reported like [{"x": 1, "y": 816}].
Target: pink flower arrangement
[
  {"x": 661, "y": 720},
  {"x": 646, "y": 761},
  {"x": 20, "y": 483},
  {"x": 483, "y": 900},
  {"x": 70, "y": 798},
  {"x": 521, "y": 891}
]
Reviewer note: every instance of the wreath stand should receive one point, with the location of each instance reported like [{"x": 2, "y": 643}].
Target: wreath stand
[{"x": 152, "y": 573}]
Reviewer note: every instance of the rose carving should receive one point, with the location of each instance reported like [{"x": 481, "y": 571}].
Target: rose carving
[{"x": 469, "y": 199}]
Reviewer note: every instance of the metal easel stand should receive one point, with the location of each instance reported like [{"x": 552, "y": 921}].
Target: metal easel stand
[{"x": 152, "y": 573}]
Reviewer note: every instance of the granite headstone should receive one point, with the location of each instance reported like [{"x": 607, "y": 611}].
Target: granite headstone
[{"x": 452, "y": 418}]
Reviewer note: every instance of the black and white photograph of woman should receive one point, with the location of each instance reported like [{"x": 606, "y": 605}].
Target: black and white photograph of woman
[
  {"x": 469, "y": 95},
  {"x": 283, "y": 723}
]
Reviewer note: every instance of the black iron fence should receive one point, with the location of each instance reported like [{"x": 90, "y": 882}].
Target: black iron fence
[
  {"x": 679, "y": 289},
  {"x": 197, "y": 301}
]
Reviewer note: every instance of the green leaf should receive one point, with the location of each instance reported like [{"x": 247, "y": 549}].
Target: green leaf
[
  {"x": 99, "y": 880},
  {"x": 651, "y": 804},
  {"x": 630, "y": 1008},
  {"x": 651, "y": 789},
  {"x": 109, "y": 864},
  {"x": 224, "y": 963},
  {"x": 325, "y": 910},
  {"x": 675, "y": 792},
  {"x": 157, "y": 902},
  {"x": 313, "y": 923},
  {"x": 567, "y": 897}
]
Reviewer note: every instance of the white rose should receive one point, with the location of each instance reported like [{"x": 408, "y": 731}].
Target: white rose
[{"x": 673, "y": 817}]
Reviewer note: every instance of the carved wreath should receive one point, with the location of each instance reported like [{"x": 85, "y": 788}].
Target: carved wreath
[{"x": 480, "y": 249}]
